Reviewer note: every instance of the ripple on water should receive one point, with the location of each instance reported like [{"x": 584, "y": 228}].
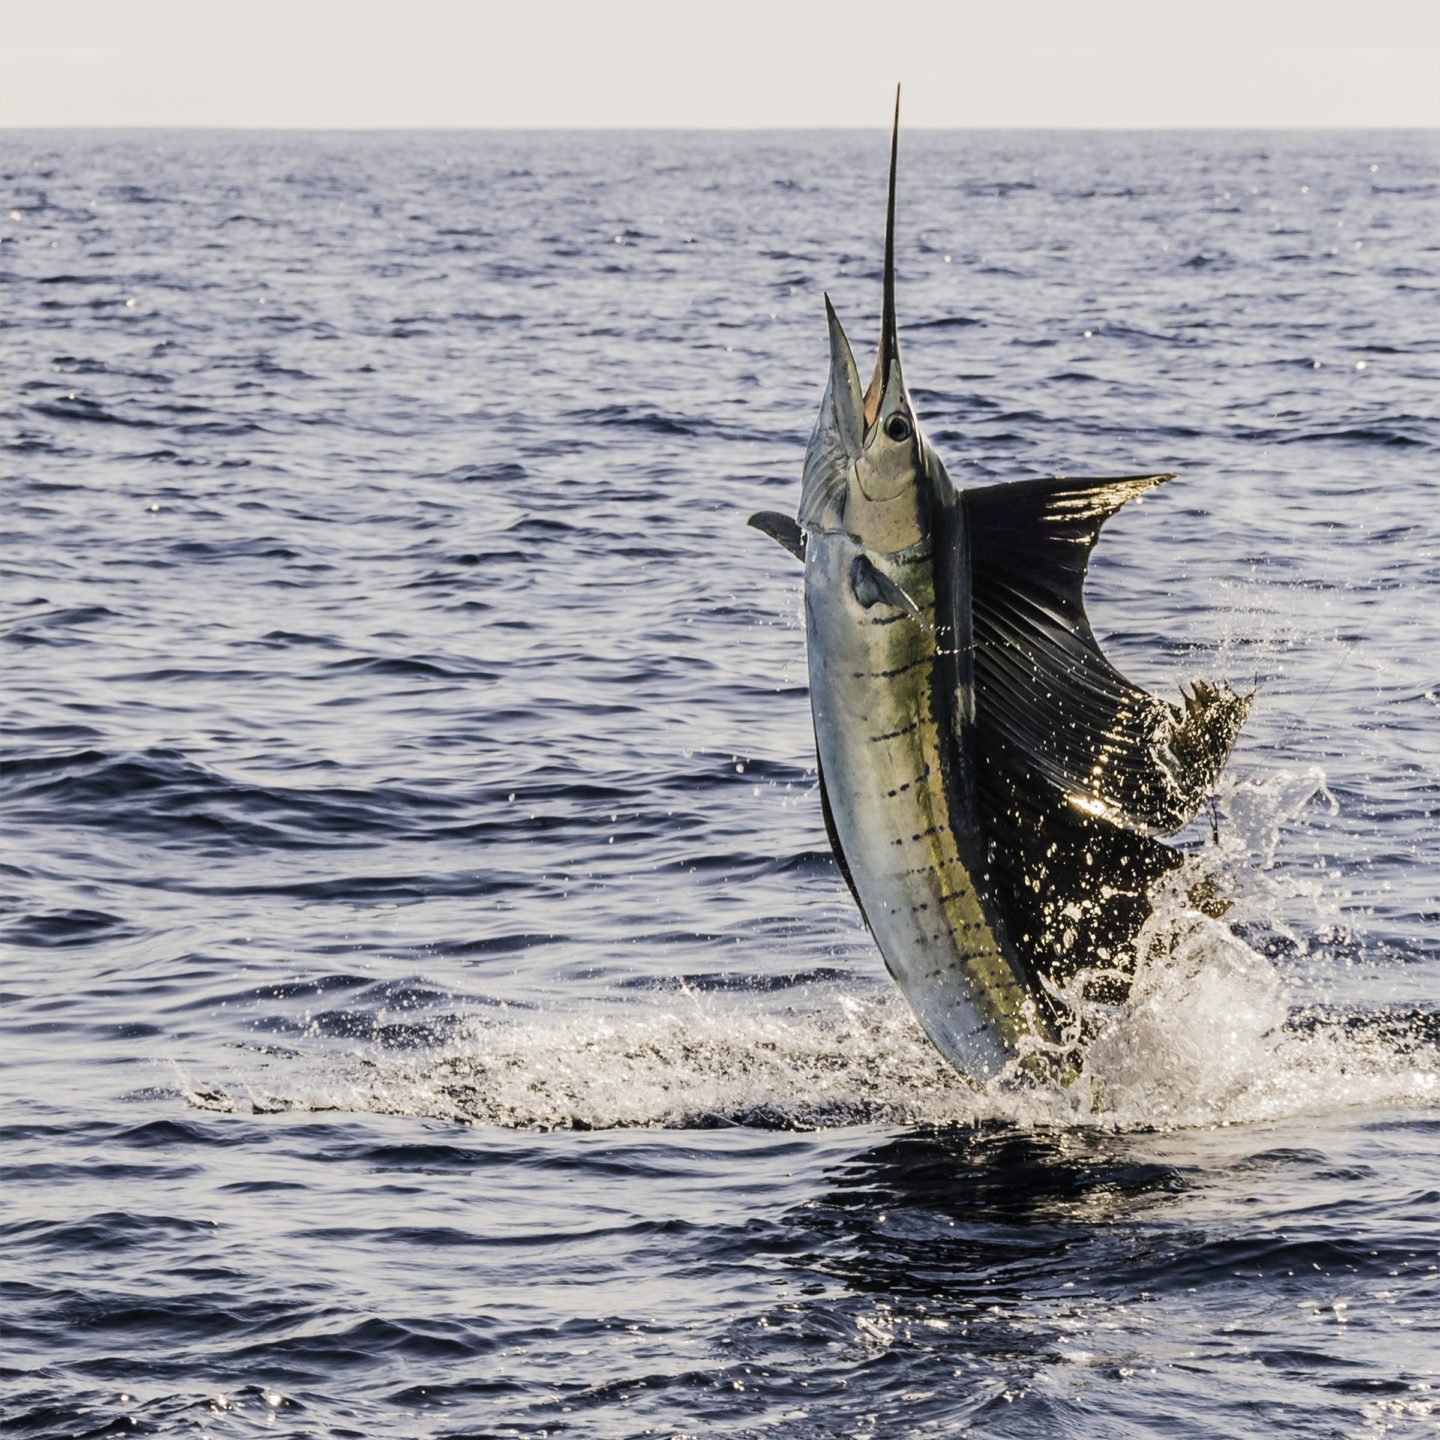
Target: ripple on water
[{"x": 430, "y": 1003}]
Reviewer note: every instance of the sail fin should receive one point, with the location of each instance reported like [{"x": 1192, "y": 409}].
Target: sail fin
[
  {"x": 1110, "y": 748},
  {"x": 1077, "y": 770}
]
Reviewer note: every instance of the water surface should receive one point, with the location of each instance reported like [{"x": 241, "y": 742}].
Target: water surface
[{"x": 430, "y": 1007}]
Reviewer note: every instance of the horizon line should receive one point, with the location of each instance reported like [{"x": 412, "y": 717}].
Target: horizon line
[{"x": 1101, "y": 128}]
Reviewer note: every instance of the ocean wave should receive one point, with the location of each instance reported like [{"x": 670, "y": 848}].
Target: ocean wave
[
  {"x": 430, "y": 1002},
  {"x": 172, "y": 799}
]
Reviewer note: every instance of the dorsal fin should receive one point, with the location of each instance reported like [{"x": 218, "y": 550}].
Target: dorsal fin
[
  {"x": 1076, "y": 768},
  {"x": 1111, "y": 748}
]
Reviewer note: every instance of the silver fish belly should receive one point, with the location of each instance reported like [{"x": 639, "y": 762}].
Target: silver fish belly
[{"x": 882, "y": 742}]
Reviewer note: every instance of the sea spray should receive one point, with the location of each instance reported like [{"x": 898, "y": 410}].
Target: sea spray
[{"x": 1207, "y": 1035}]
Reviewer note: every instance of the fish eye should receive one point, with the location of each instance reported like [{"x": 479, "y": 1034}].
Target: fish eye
[{"x": 897, "y": 427}]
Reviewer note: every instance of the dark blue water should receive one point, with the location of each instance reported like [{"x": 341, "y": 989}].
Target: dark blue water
[{"x": 430, "y": 1008}]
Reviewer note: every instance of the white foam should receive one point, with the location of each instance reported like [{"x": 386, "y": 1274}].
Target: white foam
[
  {"x": 681, "y": 1060},
  {"x": 1201, "y": 1042},
  {"x": 1205, "y": 1037}
]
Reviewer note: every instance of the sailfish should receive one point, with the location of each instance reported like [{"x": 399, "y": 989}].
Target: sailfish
[{"x": 994, "y": 790}]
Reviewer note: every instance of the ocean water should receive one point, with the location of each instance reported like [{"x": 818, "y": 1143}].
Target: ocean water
[{"x": 430, "y": 1008}]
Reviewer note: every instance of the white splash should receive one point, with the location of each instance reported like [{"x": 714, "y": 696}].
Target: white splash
[
  {"x": 1203, "y": 1041},
  {"x": 1206, "y": 1037}
]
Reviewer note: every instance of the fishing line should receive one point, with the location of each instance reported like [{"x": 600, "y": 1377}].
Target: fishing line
[{"x": 1293, "y": 728}]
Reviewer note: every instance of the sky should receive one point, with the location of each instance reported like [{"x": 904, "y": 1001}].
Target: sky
[{"x": 311, "y": 64}]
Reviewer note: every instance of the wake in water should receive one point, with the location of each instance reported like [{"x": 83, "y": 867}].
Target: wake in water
[
  {"x": 1206, "y": 1036},
  {"x": 1206, "y": 1040}
]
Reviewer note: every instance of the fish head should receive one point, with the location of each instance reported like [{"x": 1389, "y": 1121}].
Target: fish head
[{"x": 869, "y": 471}]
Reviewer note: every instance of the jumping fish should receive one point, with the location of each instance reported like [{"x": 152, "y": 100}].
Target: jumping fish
[{"x": 991, "y": 785}]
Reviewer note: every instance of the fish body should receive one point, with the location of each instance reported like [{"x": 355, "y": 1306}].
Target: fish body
[
  {"x": 887, "y": 731},
  {"x": 992, "y": 787}
]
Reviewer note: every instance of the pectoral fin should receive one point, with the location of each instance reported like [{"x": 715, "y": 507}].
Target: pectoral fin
[
  {"x": 782, "y": 529},
  {"x": 873, "y": 586}
]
